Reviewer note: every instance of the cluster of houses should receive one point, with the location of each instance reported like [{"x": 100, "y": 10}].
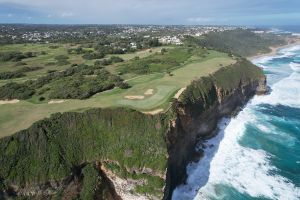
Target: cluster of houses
[
  {"x": 165, "y": 34},
  {"x": 170, "y": 40},
  {"x": 193, "y": 31}
]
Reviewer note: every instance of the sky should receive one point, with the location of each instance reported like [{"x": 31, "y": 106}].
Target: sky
[{"x": 161, "y": 12}]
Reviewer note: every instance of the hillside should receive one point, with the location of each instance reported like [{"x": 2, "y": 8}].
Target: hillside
[
  {"x": 239, "y": 42},
  {"x": 58, "y": 156}
]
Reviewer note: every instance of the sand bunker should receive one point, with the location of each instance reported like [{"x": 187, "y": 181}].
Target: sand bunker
[
  {"x": 134, "y": 97},
  {"x": 149, "y": 92},
  {"x": 90, "y": 76},
  {"x": 2, "y": 102},
  {"x": 154, "y": 112},
  {"x": 56, "y": 101},
  {"x": 177, "y": 95}
]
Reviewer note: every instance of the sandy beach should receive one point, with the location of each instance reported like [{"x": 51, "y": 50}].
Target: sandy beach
[{"x": 274, "y": 49}]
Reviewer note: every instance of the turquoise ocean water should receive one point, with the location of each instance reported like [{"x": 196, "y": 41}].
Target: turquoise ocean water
[{"x": 256, "y": 155}]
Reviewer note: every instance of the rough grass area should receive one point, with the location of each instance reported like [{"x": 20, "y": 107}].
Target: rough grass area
[
  {"x": 159, "y": 62},
  {"x": 47, "y": 59}
]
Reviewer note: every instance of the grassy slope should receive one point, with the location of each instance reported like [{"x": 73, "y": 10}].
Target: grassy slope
[
  {"x": 18, "y": 116},
  {"x": 241, "y": 42}
]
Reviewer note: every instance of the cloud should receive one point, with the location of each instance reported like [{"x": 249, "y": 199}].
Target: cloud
[
  {"x": 156, "y": 11},
  {"x": 200, "y": 19},
  {"x": 67, "y": 14}
]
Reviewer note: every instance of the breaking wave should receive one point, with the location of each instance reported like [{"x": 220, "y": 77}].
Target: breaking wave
[{"x": 232, "y": 170}]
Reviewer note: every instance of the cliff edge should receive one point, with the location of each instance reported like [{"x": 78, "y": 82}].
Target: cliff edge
[{"x": 119, "y": 153}]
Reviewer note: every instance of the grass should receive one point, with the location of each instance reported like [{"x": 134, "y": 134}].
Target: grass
[
  {"x": 159, "y": 62},
  {"x": 126, "y": 57},
  {"x": 44, "y": 60},
  {"x": 15, "y": 117}
]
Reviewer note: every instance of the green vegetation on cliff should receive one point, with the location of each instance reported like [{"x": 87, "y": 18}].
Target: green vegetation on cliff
[
  {"x": 204, "y": 92},
  {"x": 91, "y": 181},
  {"x": 241, "y": 42},
  {"x": 51, "y": 148}
]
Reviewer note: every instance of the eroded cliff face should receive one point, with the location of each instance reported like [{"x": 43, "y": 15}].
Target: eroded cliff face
[
  {"x": 42, "y": 159},
  {"x": 198, "y": 112}
]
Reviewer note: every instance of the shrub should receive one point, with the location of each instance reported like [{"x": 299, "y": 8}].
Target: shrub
[
  {"x": 116, "y": 59},
  {"x": 91, "y": 180},
  {"x": 61, "y": 57},
  {"x": 51, "y": 71},
  {"x": 53, "y": 47},
  {"x": 10, "y": 75},
  {"x": 163, "y": 50},
  {"x": 62, "y": 62},
  {"x": 157, "y": 62},
  {"x": 79, "y": 87},
  {"x": 93, "y": 55},
  {"x": 15, "y": 91},
  {"x": 20, "y": 63},
  {"x": 123, "y": 85},
  {"x": 17, "y": 74},
  {"x": 15, "y": 56},
  {"x": 41, "y": 98}
]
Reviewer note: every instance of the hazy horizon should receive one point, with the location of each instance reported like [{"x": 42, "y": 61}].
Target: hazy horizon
[{"x": 152, "y": 12}]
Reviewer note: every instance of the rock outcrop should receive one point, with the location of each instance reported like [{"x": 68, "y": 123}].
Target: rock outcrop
[{"x": 198, "y": 112}]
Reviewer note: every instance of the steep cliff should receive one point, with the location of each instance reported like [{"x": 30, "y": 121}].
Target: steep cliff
[
  {"x": 122, "y": 153},
  {"x": 201, "y": 106}
]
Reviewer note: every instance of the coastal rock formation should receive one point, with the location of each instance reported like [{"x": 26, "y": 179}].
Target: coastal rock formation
[
  {"x": 119, "y": 153},
  {"x": 201, "y": 106}
]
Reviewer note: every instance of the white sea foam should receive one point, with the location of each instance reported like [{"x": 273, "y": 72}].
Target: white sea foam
[
  {"x": 264, "y": 128},
  {"x": 264, "y": 59},
  {"x": 295, "y": 67},
  {"x": 291, "y": 49},
  {"x": 199, "y": 172},
  {"x": 283, "y": 53},
  {"x": 246, "y": 169},
  {"x": 229, "y": 163},
  {"x": 285, "y": 92}
]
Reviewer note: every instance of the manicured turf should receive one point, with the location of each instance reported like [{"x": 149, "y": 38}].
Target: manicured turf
[{"x": 14, "y": 117}]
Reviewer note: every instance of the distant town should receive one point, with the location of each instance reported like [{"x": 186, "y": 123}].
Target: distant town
[{"x": 57, "y": 33}]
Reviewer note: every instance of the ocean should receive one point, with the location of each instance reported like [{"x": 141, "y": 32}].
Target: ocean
[{"x": 256, "y": 155}]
